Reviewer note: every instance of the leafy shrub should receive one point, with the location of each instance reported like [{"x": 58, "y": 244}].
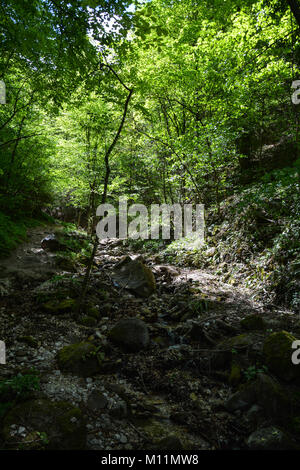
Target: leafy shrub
[{"x": 16, "y": 389}]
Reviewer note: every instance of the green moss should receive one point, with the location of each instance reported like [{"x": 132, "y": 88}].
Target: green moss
[
  {"x": 235, "y": 374},
  {"x": 103, "y": 294},
  {"x": 88, "y": 321},
  {"x": 92, "y": 311},
  {"x": 278, "y": 352},
  {"x": 54, "y": 425},
  {"x": 60, "y": 306},
  {"x": 253, "y": 322},
  {"x": 163, "y": 437},
  {"x": 82, "y": 359},
  {"x": 29, "y": 340},
  {"x": 11, "y": 234},
  {"x": 238, "y": 342},
  {"x": 65, "y": 263}
]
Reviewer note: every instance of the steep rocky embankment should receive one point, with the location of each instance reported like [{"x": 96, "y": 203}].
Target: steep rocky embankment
[{"x": 162, "y": 357}]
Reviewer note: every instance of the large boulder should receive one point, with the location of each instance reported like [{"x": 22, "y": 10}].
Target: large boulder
[
  {"x": 131, "y": 334},
  {"x": 52, "y": 243},
  {"x": 278, "y": 155},
  {"x": 276, "y": 402},
  {"x": 270, "y": 438},
  {"x": 278, "y": 352},
  {"x": 82, "y": 359},
  {"x": 43, "y": 424},
  {"x": 134, "y": 275}
]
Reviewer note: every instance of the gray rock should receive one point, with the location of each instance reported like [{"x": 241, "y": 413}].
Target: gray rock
[
  {"x": 242, "y": 399},
  {"x": 52, "y": 243},
  {"x": 119, "y": 411},
  {"x": 97, "y": 401},
  {"x": 254, "y": 415},
  {"x": 123, "y": 439},
  {"x": 131, "y": 334},
  {"x": 270, "y": 438},
  {"x": 169, "y": 443},
  {"x": 134, "y": 275}
]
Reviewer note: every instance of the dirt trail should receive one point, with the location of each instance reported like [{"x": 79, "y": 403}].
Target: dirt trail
[
  {"x": 29, "y": 261},
  {"x": 169, "y": 389}
]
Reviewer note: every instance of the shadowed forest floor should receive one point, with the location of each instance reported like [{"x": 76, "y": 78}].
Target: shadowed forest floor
[{"x": 177, "y": 388}]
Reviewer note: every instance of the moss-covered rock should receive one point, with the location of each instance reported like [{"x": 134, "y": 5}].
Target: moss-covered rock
[
  {"x": 88, "y": 321},
  {"x": 228, "y": 349},
  {"x": 253, "y": 322},
  {"x": 275, "y": 400},
  {"x": 235, "y": 374},
  {"x": 29, "y": 340},
  {"x": 60, "y": 306},
  {"x": 66, "y": 264},
  {"x": 43, "y": 424},
  {"x": 169, "y": 443},
  {"x": 92, "y": 311},
  {"x": 270, "y": 438},
  {"x": 131, "y": 334},
  {"x": 82, "y": 359},
  {"x": 278, "y": 352}
]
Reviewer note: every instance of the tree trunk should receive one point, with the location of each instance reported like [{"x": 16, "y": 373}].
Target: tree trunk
[{"x": 103, "y": 200}]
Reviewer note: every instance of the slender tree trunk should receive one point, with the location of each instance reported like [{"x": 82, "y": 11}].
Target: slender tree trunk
[
  {"x": 103, "y": 200},
  {"x": 14, "y": 151}
]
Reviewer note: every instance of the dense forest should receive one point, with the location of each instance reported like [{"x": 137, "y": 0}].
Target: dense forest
[{"x": 132, "y": 343}]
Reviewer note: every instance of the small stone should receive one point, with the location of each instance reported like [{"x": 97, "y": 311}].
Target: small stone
[
  {"x": 170, "y": 443},
  {"x": 97, "y": 400}
]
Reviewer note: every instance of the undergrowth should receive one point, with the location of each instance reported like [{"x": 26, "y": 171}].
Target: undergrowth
[
  {"x": 255, "y": 240},
  {"x": 14, "y": 231}
]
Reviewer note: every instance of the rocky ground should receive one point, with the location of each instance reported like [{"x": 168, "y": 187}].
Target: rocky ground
[{"x": 161, "y": 357}]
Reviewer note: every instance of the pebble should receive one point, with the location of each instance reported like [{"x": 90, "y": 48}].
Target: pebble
[{"x": 123, "y": 439}]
